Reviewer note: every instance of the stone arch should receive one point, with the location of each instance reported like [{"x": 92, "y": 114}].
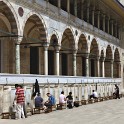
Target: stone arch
[
  {"x": 67, "y": 47},
  {"x": 94, "y": 53},
  {"x": 8, "y": 25},
  {"x": 81, "y": 55},
  {"x": 94, "y": 48},
  {"x": 9, "y": 12},
  {"x": 55, "y": 35},
  {"x": 39, "y": 20},
  {"x": 116, "y": 64},
  {"x": 109, "y": 54},
  {"x": 34, "y": 38}
]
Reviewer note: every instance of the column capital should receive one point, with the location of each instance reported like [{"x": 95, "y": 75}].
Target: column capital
[
  {"x": 45, "y": 45},
  {"x": 74, "y": 51},
  {"x": 102, "y": 59},
  {"x": 18, "y": 40},
  {"x": 98, "y": 12},
  {"x": 57, "y": 47},
  {"x": 112, "y": 60},
  {"x": 103, "y": 15},
  {"x": 97, "y": 58},
  {"x": 111, "y": 21},
  {"x": 87, "y": 55}
]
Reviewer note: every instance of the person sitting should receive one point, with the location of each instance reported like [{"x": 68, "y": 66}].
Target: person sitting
[
  {"x": 94, "y": 95},
  {"x": 51, "y": 101},
  {"x": 76, "y": 102},
  {"x": 69, "y": 100},
  {"x": 38, "y": 101},
  {"x": 62, "y": 98}
]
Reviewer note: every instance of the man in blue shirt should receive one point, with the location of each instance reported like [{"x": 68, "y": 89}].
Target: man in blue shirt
[{"x": 51, "y": 100}]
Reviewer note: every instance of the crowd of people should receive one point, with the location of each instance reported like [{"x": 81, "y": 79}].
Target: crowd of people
[{"x": 38, "y": 101}]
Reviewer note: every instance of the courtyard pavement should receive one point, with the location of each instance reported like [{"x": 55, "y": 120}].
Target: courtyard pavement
[{"x": 107, "y": 112}]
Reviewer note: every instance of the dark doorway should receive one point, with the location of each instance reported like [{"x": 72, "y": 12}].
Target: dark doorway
[
  {"x": 34, "y": 60},
  {"x": 83, "y": 66},
  {"x": 92, "y": 68},
  {"x": 50, "y": 62},
  {"x": 64, "y": 64}
]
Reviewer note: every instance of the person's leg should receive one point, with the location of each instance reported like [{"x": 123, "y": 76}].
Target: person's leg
[
  {"x": 118, "y": 95},
  {"x": 91, "y": 96},
  {"x": 25, "y": 111},
  {"x": 18, "y": 106},
  {"x": 22, "y": 111}
]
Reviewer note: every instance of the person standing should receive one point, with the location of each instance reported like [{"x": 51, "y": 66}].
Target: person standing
[
  {"x": 19, "y": 97},
  {"x": 117, "y": 92}
]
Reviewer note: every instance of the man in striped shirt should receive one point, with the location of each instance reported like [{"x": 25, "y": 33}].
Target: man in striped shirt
[{"x": 19, "y": 97}]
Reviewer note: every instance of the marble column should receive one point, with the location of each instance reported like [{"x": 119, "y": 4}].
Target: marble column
[
  {"x": 93, "y": 10},
  {"x": 104, "y": 22},
  {"x": 111, "y": 27},
  {"x": 108, "y": 24},
  {"x": 98, "y": 19},
  {"x": 98, "y": 66},
  {"x": 75, "y": 8},
  {"x": 88, "y": 9},
  {"x": 112, "y": 68},
  {"x": 103, "y": 67},
  {"x": 68, "y": 6},
  {"x": 59, "y": 4},
  {"x": 57, "y": 48},
  {"x": 119, "y": 32},
  {"x": 45, "y": 58},
  {"x": 87, "y": 65},
  {"x": 116, "y": 29},
  {"x": 82, "y": 11},
  {"x": 17, "y": 56},
  {"x": 74, "y": 63}
]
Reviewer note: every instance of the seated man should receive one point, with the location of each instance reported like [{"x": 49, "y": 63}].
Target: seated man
[
  {"x": 38, "y": 101},
  {"x": 76, "y": 102},
  {"x": 70, "y": 100},
  {"x": 51, "y": 101},
  {"x": 94, "y": 95},
  {"x": 62, "y": 98}
]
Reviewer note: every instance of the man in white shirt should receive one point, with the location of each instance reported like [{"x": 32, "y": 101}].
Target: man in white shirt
[
  {"x": 94, "y": 95},
  {"x": 62, "y": 98}
]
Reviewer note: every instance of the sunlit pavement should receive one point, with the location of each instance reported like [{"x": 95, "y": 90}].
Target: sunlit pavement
[{"x": 106, "y": 112}]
